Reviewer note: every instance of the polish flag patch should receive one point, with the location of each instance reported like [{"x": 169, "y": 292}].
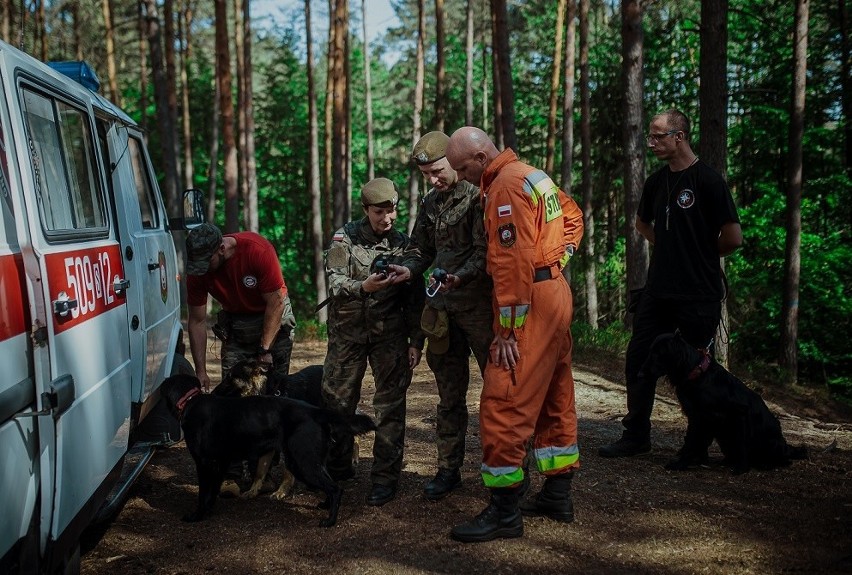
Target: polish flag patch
[
  {"x": 504, "y": 211},
  {"x": 338, "y": 237}
]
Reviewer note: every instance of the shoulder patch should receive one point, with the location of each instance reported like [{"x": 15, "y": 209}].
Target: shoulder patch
[
  {"x": 504, "y": 211},
  {"x": 338, "y": 236},
  {"x": 507, "y": 235}
]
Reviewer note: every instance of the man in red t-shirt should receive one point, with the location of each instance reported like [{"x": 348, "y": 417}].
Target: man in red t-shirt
[{"x": 242, "y": 272}]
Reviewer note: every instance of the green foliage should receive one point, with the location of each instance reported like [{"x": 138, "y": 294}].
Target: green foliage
[{"x": 611, "y": 339}]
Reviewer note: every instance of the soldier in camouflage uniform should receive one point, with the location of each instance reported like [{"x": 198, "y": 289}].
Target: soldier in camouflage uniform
[
  {"x": 242, "y": 272},
  {"x": 450, "y": 234},
  {"x": 371, "y": 319}
]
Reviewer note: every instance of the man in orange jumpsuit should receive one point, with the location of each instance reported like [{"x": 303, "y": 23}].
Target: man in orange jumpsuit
[{"x": 532, "y": 228}]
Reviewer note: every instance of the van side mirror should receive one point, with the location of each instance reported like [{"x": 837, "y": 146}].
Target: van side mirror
[{"x": 192, "y": 209}]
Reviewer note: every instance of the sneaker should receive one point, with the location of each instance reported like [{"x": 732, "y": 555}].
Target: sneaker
[{"x": 625, "y": 447}]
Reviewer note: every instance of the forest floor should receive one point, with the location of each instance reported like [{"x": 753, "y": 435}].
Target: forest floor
[{"x": 632, "y": 515}]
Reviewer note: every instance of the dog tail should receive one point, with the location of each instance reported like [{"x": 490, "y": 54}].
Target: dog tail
[{"x": 357, "y": 424}]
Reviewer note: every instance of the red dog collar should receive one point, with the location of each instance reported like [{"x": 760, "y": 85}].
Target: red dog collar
[
  {"x": 181, "y": 403},
  {"x": 702, "y": 366}
]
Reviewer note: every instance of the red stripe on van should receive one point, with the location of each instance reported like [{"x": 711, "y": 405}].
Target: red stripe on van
[
  {"x": 86, "y": 276},
  {"x": 13, "y": 314}
]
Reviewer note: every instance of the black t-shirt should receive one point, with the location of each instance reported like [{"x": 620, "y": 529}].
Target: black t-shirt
[{"x": 685, "y": 257}]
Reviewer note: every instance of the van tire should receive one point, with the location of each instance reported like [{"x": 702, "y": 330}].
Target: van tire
[{"x": 182, "y": 366}]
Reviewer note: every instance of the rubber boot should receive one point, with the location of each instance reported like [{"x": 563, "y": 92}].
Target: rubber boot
[
  {"x": 501, "y": 519},
  {"x": 554, "y": 499}
]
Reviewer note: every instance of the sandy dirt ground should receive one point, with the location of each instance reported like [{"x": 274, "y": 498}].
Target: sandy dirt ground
[{"x": 632, "y": 515}]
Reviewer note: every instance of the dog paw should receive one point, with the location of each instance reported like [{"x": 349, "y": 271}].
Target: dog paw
[
  {"x": 327, "y": 522},
  {"x": 250, "y": 494},
  {"x": 229, "y": 489}
]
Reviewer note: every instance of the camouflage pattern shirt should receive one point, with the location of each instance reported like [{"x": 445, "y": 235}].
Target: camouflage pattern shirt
[
  {"x": 369, "y": 317},
  {"x": 450, "y": 234}
]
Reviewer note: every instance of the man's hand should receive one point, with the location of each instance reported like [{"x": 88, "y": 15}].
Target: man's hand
[
  {"x": 378, "y": 281},
  {"x": 204, "y": 379},
  {"x": 401, "y": 273},
  {"x": 414, "y": 356},
  {"x": 451, "y": 282},
  {"x": 504, "y": 351}
]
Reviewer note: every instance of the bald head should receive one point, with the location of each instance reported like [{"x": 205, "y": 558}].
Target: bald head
[{"x": 469, "y": 152}]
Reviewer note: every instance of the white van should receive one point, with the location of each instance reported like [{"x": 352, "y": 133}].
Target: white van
[{"x": 90, "y": 315}]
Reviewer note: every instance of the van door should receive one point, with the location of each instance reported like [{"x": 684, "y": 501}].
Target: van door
[
  {"x": 149, "y": 256},
  {"x": 76, "y": 259}
]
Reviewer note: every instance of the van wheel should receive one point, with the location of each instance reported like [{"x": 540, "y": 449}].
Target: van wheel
[
  {"x": 71, "y": 565},
  {"x": 181, "y": 366}
]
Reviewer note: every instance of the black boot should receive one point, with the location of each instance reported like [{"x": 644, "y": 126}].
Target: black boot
[
  {"x": 445, "y": 481},
  {"x": 500, "y": 519},
  {"x": 554, "y": 499}
]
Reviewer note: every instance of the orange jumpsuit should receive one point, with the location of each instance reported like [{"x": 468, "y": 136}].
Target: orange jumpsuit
[{"x": 529, "y": 223}]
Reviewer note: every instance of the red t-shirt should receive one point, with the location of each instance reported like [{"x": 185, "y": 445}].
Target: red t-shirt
[{"x": 239, "y": 283}]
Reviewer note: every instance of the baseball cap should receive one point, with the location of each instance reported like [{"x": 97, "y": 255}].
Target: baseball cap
[
  {"x": 436, "y": 325},
  {"x": 430, "y": 148},
  {"x": 201, "y": 243},
  {"x": 379, "y": 191}
]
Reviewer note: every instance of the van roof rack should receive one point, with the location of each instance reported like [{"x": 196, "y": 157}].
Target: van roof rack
[{"x": 79, "y": 71}]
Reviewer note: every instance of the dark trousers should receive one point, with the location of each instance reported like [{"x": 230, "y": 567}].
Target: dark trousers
[{"x": 697, "y": 322}]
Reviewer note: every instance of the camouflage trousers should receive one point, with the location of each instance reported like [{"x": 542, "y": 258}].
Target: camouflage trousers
[
  {"x": 345, "y": 366},
  {"x": 244, "y": 332},
  {"x": 469, "y": 330}
]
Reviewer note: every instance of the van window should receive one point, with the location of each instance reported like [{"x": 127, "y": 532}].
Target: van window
[
  {"x": 63, "y": 161},
  {"x": 144, "y": 191}
]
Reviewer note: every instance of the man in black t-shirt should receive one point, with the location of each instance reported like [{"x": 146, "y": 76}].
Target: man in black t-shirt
[{"x": 687, "y": 213}]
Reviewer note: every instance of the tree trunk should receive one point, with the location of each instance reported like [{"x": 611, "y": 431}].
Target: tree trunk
[
  {"x": 499, "y": 140},
  {"x": 74, "y": 8},
  {"x": 240, "y": 61},
  {"x": 566, "y": 166},
  {"x": 368, "y": 104},
  {"x": 440, "y": 68},
  {"x": 164, "y": 120},
  {"x": 416, "y": 126},
  {"x": 328, "y": 211},
  {"x": 109, "y": 33},
  {"x": 846, "y": 82},
  {"x": 550, "y": 145},
  {"x": 789, "y": 359},
  {"x": 185, "y": 32},
  {"x": 143, "y": 67},
  {"x": 586, "y": 161},
  {"x": 713, "y": 102},
  {"x": 634, "y": 150},
  {"x": 507, "y": 94},
  {"x": 317, "y": 239},
  {"x": 6, "y": 18},
  {"x": 226, "y": 110},
  {"x": 171, "y": 81},
  {"x": 340, "y": 192},
  {"x": 251, "y": 161},
  {"x": 468, "y": 83},
  {"x": 212, "y": 167}
]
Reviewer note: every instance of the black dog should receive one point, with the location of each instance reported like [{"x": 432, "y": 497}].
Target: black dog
[
  {"x": 718, "y": 406},
  {"x": 221, "y": 430}
]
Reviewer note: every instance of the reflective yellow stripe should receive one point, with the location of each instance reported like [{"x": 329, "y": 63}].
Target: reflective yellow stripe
[
  {"x": 512, "y": 317},
  {"x": 501, "y": 476},
  {"x": 555, "y": 458}
]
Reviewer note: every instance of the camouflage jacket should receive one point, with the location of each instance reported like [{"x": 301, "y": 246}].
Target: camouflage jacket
[
  {"x": 450, "y": 234},
  {"x": 369, "y": 317}
]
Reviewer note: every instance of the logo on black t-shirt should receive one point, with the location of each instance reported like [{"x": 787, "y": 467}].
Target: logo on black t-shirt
[
  {"x": 686, "y": 198},
  {"x": 250, "y": 281}
]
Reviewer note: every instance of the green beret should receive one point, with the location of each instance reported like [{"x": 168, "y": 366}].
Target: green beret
[
  {"x": 379, "y": 191},
  {"x": 430, "y": 148}
]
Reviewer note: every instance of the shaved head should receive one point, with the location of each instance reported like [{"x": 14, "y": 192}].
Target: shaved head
[{"x": 469, "y": 152}]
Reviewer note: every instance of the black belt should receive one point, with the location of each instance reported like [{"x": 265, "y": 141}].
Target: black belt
[{"x": 542, "y": 274}]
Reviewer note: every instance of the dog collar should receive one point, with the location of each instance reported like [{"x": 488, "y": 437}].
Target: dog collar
[
  {"x": 702, "y": 366},
  {"x": 181, "y": 403}
]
